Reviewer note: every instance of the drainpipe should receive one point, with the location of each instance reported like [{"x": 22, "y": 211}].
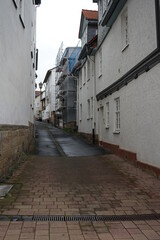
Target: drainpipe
[{"x": 94, "y": 100}]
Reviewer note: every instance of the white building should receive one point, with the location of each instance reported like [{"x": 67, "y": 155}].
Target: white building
[
  {"x": 127, "y": 79},
  {"x": 18, "y": 59},
  {"x": 49, "y": 82},
  {"x": 86, "y": 99}
]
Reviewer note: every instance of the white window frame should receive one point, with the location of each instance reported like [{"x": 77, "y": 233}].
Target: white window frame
[
  {"x": 117, "y": 115},
  {"x": 107, "y": 115}
]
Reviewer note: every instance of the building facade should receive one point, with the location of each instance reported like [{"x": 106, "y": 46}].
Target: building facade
[
  {"x": 18, "y": 58},
  {"x": 49, "y": 83},
  {"x": 86, "y": 100},
  {"x": 127, "y": 79},
  {"x": 38, "y": 106}
]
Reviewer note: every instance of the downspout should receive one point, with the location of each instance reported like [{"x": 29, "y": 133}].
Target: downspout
[
  {"x": 94, "y": 94},
  {"x": 77, "y": 102},
  {"x": 94, "y": 100}
]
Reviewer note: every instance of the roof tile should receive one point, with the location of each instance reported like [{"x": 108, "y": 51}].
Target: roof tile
[{"x": 90, "y": 14}]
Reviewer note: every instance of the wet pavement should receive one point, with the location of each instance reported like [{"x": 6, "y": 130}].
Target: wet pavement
[{"x": 52, "y": 141}]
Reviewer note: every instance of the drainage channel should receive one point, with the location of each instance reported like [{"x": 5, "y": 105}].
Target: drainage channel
[{"x": 86, "y": 218}]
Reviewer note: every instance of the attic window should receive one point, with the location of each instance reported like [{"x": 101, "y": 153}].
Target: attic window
[{"x": 37, "y": 2}]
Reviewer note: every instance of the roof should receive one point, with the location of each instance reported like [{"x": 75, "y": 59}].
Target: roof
[
  {"x": 48, "y": 74},
  {"x": 90, "y": 14}
]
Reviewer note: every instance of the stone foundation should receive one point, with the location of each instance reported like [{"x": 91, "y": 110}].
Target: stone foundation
[
  {"x": 14, "y": 142},
  {"x": 130, "y": 156}
]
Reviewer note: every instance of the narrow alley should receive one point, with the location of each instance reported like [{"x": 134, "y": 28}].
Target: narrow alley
[
  {"x": 61, "y": 193},
  {"x": 52, "y": 141},
  {"x": 79, "y": 120}
]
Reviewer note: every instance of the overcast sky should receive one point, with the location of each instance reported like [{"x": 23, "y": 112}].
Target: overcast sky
[{"x": 57, "y": 22}]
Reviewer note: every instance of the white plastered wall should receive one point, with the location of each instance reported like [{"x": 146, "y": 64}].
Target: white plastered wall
[{"x": 17, "y": 73}]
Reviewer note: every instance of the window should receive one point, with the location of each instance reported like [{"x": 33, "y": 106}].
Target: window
[
  {"x": 88, "y": 104},
  {"x": 107, "y": 115},
  {"x": 88, "y": 70},
  {"x": 84, "y": 74},
  {"x": 91, "y": 112},
  {"x": 124, "y": 29},
  {"x": 100, "y": 63},
  {"x": 117, "y": 115},
  {"x": 80, "y": 112},
  {"x": 80, "y": 80}
]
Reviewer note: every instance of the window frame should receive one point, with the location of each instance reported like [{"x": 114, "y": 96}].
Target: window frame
[
  {"x": 107, "y": 115},
  {"x": 91, "y": 108},
  {"x": 88, "y": 109},
  {"x": 117, "y": 115},
  {"x": 80, "y": 112}
]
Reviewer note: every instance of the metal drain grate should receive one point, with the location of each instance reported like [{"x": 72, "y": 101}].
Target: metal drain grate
[
  {"x": 89, "y": 218},
  {"x": 49, "y": 218}
]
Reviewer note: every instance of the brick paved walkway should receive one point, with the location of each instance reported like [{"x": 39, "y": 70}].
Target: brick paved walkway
[{"x": 104, "y": 185}]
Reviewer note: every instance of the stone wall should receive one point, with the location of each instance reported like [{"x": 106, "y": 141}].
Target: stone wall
[{"x": 14, "y": 142}]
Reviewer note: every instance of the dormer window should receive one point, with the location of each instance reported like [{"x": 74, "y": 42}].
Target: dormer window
[{"x": 37, "y": 2}]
